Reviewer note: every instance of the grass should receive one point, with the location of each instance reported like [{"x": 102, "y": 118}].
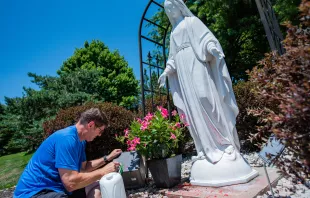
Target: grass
[{"x": 11, "y": 167}]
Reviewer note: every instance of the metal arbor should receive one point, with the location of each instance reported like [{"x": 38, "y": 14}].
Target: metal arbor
[
  {"x": 271, "y": 25},
  {"x": 149, "y": 90},
  {"x": 268, "y": 19}
]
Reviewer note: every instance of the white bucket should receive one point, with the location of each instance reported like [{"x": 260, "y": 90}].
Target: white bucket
[{"x": 112, "y": 186}]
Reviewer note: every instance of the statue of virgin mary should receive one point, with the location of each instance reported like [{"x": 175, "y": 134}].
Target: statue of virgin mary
[{"x": 201, "y": 89}]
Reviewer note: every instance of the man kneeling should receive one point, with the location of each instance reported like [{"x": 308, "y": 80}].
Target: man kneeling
[{"x": 59, "y": 166}]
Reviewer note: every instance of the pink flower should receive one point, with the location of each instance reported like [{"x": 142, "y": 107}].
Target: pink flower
[
  {"x": 164, "y": 112},
  {"x": 139, "y": 120},
  {"x": 174, "y": 113},
  {"x": 186, "y": 124},
  {"x": 132, "y": 148},
  {"x": 173, "y": 136},
  {"x": 116, "y": 135},
  {"x": 126, "y": 132},
  {"x": 144, "y": 125},
  {"x": 133, "y": 143},
  {"x": 178, "y": 125},
  {"x": 136, "y": 140},
  {"x": 148, "y": 117},
  {"x": 142, "y": 128},
  {"x": 182, "y": 116},
  {"x": 159, "y": 108}
]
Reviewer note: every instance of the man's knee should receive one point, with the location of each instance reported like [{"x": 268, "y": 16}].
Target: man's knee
[
  {"x": 97, "y": 193},
  {"x": 93, "y": 190}
]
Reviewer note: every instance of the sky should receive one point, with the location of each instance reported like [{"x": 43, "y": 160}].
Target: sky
[{"x": 38, "y": 36}]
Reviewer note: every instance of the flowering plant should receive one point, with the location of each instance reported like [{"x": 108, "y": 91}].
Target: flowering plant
[{"x": 155, "y": 136}]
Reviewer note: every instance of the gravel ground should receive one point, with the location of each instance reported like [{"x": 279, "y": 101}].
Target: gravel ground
[
  {"x": 7, "y": 193},
  {"x": 285, "y": 188}
]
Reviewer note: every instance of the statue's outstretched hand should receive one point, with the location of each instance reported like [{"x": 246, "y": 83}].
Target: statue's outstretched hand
[
  {"x": 217, "y": 53},
  {"x": 162, "y": 79}
]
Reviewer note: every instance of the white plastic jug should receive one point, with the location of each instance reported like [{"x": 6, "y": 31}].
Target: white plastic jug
[{"x": 112, "y": 186}]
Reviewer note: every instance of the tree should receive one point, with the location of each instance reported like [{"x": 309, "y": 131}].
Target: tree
[
  {"x": 9, "y": 124},
  {"x": 287, "y": 10},
  {"x": 2, "y": 107},
  {"x": 116, "y": 83},
  {"x": 92, "y": 74},
  {"x": 237, "y": 26},
  {"x": 3, "y": 137}
]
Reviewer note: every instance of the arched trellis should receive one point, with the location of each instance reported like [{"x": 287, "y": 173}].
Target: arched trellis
[
  {"x": 149, "y": 59},
  {"x": 271, "y": 25},
  {"x": 268, "y": 19}
]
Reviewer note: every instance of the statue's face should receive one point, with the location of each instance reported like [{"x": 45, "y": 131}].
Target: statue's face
[{"x": 172, "y": 10}]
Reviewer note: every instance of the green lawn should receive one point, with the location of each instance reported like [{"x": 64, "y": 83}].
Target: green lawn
[{"x": 11, "y": 166}]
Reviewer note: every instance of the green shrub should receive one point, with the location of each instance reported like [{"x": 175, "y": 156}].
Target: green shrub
[
  {"x": 119, "y": 119},
  {"x": 246, "y": 123}
]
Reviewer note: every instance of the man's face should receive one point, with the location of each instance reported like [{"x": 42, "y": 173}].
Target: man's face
[{"x": 93, "y": 131}]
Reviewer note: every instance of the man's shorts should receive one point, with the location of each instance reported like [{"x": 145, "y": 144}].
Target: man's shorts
[
  {"x": 50, "y": 194},
  {"x": 80, "y": 193}
]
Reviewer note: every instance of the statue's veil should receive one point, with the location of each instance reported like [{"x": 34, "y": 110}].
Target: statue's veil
[{"x": 182, "y": 7}]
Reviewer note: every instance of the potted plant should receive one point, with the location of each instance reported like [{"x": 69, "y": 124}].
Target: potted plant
[{"x": 158, "y": 139}]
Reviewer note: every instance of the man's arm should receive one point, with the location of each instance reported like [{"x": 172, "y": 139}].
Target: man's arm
[
  {"x": 89, "y": 166},
  {"x": 92, "y": 165},
  {"x": 73, "y": 180}
]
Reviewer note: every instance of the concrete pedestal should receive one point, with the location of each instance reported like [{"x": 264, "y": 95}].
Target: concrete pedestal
[{"x": 246, "y": 190}]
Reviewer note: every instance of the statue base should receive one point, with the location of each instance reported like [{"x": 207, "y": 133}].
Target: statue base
[{"x": 231, "y": 169}]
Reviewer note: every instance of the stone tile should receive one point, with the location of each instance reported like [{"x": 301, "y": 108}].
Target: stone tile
[{"x": 247, "y": 190}]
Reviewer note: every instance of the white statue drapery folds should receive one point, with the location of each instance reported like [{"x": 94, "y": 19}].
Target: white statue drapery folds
[
  {"x": 201, "y": 89},
  {"x": 201, "y": 86}
]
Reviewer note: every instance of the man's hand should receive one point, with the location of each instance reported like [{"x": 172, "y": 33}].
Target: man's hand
[
  {"x": 73, "y": 180},
  {"x": 111, "y": 167},
  {"x": 162, "y": 79},
  {"x": 115, "y": 153}
]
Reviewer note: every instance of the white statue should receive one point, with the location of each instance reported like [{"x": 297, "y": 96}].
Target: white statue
[{"x": 201, "y": 88}]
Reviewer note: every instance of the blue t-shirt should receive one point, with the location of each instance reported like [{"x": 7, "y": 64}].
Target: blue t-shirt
[{"x": 62, "y": 149}]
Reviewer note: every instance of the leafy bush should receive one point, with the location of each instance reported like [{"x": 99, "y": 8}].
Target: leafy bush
[
  {"x": 119, "y": 119},
  {"x": 247, "y": 123},
  {"x": 284, "y": 81}
]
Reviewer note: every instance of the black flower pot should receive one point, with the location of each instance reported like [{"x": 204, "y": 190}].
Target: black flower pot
[{"x": 166, "y": 173}]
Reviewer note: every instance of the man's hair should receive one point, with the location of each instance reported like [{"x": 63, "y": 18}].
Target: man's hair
[{"x": 96, "y": 115}]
